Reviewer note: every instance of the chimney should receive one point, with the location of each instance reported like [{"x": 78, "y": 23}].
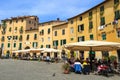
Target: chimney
[{"x": 58, "y": 19}]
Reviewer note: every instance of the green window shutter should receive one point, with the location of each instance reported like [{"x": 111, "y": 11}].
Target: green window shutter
[
  {"x": 82, "y": 27},
  {"x": 101, "y": 8},
  {"x": 90, "y": 25},
  {"x": 57, "y": 43},
  {"x": 33, "y": 44},
  {"x": 14, "y": 45},
  {"x": 20, "y": 46},
  {"x": 90, "y": 13},
  {"x": 36, "y": 44},
  {"x": 116, "y": 1},
  {"x": 49, "y": 31},
  {"x": 117, "y": 14},
  {"x": 78, "y": 28},
  {"x": 61, "y": 42},
  {"x": 41, "y": 46},
  {"x": 102, "y": 21},
  {"x": 64, "y": 41},
  {"x": 103, "y": 36},
  {"x": 2, "y": 45},
  {"x": 83, "y": 38},
  {"x": 27, "y": 37},
  {"x": 91, "y": 37},
  {"x": 8, "y": 45}
]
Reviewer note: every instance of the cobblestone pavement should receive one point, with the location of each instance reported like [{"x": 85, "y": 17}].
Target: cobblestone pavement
[{"x": 34, "y": 70}]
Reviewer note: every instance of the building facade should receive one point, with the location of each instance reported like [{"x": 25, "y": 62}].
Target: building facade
[{"x": 101, "y": 22}]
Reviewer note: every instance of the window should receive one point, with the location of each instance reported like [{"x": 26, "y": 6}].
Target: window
[
  {"x": 47, "y": 46},
  {"x": 35, "y": 44},
  {"x": 20, "y": 38},
  {"x": 71, "y": 39},
  {"x": 3, "y": 38},
  {"x": 42, "y": 39},
  {"x": 101, "y": 10},
  {"x": 41, "y": 46},
  {"x": 22, "y": 20},
  {"x": 103, "y": 36},
  {"x": 27, "y": 37},
  {"x": 55, "y": 33},
  {"x": 118, "y": 33},
  {"x": 81, "y": 38},
  {"x": 35, "y": 36},
  {"x": 71, "y": 30},
  {"x": 42, "y": 32},
  {"x": 20, "y": 46},
  {"x": 62, "y": 42},
  {"x": 16, "y": 37},
  {"x": 16, "y": 28},
  {"x": 90, "y": 15},
  {"x": 10, "y": 29},
  {"x": 9, "y": 37},
  {"x": 14, "y": 45},
  {"x": 2, "y": 45},
  {"x": 63, "y": 32},
  {"x": 80, "y": 18},
  {"x": 102, "y": 21},
  {"x": 16, "y": 21},
  {"x": 117, "y": 14},
  {"x": 48, "y": 38},
  {"x": 49, "y": 31},
  {"x": 8, "y": 45},
  {"x": 80, "y": 27},
  {"x": 30, "y": 22},
  {"x": 90, "y": 25},
  {"x": 55, "y": 43},
  {"x": 91, "y": 37},
  {"x": 71, "y": 21},
  {"x": 116, "y": 1},
  {"x": 10, "y": 21}
]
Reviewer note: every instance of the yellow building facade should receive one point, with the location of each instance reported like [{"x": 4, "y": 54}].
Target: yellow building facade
[
  {"x": 87, "y": 25},
  {"x": 101, "y": 22}
]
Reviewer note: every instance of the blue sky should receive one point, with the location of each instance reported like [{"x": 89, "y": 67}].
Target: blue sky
[{"x": 46, "y": 10}]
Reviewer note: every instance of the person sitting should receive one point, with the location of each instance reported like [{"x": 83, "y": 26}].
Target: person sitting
[
  {"x": 86, "y": 68},
  {"x": 77, "y": 66}
]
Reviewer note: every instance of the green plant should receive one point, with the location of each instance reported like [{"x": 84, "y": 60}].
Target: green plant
[{"x": 66, "y": 66}]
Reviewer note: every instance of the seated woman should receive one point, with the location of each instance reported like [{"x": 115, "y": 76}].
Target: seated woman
[{"x": 77, "y": 66}]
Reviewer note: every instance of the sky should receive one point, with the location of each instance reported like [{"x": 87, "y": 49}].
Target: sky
[{"x": 46, "y": 10}]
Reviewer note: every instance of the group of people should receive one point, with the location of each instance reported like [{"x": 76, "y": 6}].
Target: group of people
[{"x": 84, "y": 66}]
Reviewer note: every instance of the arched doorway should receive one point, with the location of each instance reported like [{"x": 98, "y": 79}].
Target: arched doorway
[
  {"x": 27, "y": 47},
  {"x": 27, "y": 55}
]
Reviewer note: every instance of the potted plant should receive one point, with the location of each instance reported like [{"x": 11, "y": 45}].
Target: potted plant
[{"x": 66, "y": 68}]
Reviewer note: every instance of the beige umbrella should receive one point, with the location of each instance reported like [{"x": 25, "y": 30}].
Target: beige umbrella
[
  {"x": 37, "y": 50},
  {"x": 20, "y": 51},
  {"x": 93, "y": 45},
  {"x": 50, "y": 50}
]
